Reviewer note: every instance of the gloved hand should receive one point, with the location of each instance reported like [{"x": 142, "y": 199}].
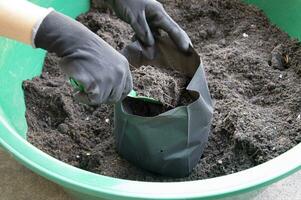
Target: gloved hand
[
  {"x": 146, "y": 17},
  {"x": 101, "y": 70}
]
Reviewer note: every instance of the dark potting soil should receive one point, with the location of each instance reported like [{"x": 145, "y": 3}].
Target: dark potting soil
[
  {"x": 254, "y": 76},
  {"x": 164, "y": 85}
]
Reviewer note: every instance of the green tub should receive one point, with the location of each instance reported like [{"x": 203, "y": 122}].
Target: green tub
[{"x": 19, "y": 62}]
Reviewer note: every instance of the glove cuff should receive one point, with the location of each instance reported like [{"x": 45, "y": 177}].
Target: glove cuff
[
  {"x": 62, "y": 35},
  {"x": 37, "y": 26}
]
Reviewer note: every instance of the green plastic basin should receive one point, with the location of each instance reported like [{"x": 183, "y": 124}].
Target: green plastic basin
[{"x": 19, "y": 62}]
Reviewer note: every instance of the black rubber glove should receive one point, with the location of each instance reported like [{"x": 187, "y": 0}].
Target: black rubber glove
[
  {"x": 147, "y": 17},
  {"x": 101, "y": 70}
]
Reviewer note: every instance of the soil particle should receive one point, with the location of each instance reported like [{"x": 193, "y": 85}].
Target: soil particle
[
  {"x": 254, "y": 80},
  {"x": 277, "y": 59}
]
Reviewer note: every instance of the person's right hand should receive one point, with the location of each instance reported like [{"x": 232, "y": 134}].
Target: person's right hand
[
  {"x": 147, "y": 17},
  {"x": 101, "y": 70}
]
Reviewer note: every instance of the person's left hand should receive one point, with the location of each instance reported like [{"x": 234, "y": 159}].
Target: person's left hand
[{"x": 147, "y": 17}]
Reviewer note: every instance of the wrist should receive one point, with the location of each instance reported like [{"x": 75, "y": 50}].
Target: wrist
[
  {"x": 23, "y": 15},
  {"x": 37, "y": 25}
]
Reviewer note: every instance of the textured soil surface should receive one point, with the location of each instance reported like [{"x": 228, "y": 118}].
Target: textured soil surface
[
  {"x": 254, "y": 76},
  {"x": 164, "y": 85}
]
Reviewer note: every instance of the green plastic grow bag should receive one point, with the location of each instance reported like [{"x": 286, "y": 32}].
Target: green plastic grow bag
[{"x": 19, "y": 62}]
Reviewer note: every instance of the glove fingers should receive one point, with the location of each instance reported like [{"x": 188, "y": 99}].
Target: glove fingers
[
  {"x": 175, "y": 32},
  {"x": 115, "y": 95},
  {"x": 155, "y": 31},
  {"x": 143, "y": 31},
  {"x": 120, "y": 93},
  {"x": 82, "y": 97},
  {"x": 74, "y": 71},
  {"x": 84, "y": 80},
  {"x": 128, "y": 87},
  {"x": 91, "y": 95}
]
